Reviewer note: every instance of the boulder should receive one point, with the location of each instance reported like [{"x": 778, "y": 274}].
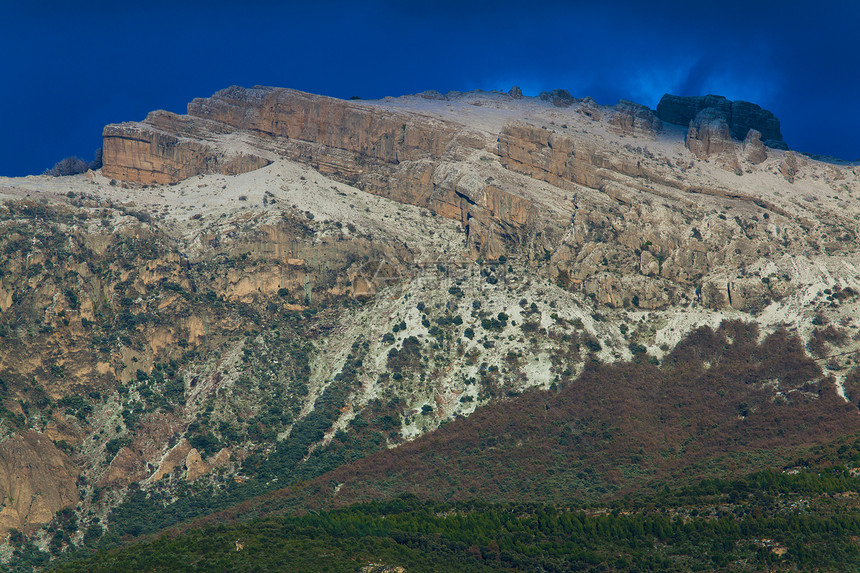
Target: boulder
[
  {"x": 753, "y": 148},
  {"x": 709, "y": 134},
  {"x": 433, "y": 94},
  {"x": 788, "y": 166},
  {"x": 558, "y": 98}
]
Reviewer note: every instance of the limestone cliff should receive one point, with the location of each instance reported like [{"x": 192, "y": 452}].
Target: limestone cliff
[{"x": 471, "y": 171}]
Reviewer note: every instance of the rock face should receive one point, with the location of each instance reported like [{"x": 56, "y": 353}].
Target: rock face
[
  {"x": 126, "y": 467},
  {"x": 708, "y": 134},
  {"x": 176, "y": 309},
  {"x": 154, "y": 156},
  {"x": 634, "y": 119},
  {"x": 172, "y": 459},
  {"x": 36, "y": 481},
  {"x": 484, "y": 177},
  {"x": 740, "y": 116},
  {"x": 387, "y": 153}
]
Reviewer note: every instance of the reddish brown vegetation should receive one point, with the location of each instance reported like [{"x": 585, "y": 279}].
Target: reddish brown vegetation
[
  {"x": 721, "y": 404},
  {"x": 852, "y": 386},
  {"x": 821, "y": 337}
]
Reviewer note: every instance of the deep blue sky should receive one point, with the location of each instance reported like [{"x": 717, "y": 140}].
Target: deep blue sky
[{"x": 68, "y": 68}]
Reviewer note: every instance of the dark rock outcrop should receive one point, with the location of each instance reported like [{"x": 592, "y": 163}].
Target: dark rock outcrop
[
  {"x": 680, "y": 110},
  {"x": 632, "y": 119},
  {"x": 740, "y": 116},
  {"x": 558, "y": 98}
]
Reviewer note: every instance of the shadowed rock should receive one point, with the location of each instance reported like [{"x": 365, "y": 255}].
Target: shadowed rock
[
  {"x": 740, "y": 116},
  {"x": 558, "y": 98}
]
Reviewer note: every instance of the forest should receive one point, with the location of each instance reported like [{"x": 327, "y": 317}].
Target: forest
[{"x": 748, "y": 524}]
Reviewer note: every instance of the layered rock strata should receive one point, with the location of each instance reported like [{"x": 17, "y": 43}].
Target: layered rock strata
[
  {"x": 161, "y": 151},
  {"x": 588, "y": 221}
]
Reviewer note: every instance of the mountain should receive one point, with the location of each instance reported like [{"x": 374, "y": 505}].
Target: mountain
[{"x": 281, "y": 288}]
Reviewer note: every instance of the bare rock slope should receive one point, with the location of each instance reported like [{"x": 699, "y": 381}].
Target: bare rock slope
[{"x": 629, "y": 215}]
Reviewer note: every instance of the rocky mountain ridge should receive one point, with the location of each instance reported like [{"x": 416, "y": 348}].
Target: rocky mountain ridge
[
  {"x": 282, "y": 270},
  {"x": 415, "y": 151}
]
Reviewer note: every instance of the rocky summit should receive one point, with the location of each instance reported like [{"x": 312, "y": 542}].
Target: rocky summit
[
  {"x": 278, "y": 284},
  {"x": 739, "y": 116}
]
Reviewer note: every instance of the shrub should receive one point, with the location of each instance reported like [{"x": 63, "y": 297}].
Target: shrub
[
  {"x": 206, "y": 444},
  {"x": 592, "y": 344},
  {"x": 112, "y": 447},
  {"x": 68, "y": 166},
  {"x": 637, "y": 348},
  {"x": 74, "y": 165}
]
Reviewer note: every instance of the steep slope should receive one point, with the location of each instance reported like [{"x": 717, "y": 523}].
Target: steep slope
[
  {"x": 279, "y": 283},
  {"x": 721, "y": 403},
  {"x": 635, "y": 439}
]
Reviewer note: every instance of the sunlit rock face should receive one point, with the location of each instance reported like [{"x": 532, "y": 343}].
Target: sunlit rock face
[{"x": 481, "y": 167}]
